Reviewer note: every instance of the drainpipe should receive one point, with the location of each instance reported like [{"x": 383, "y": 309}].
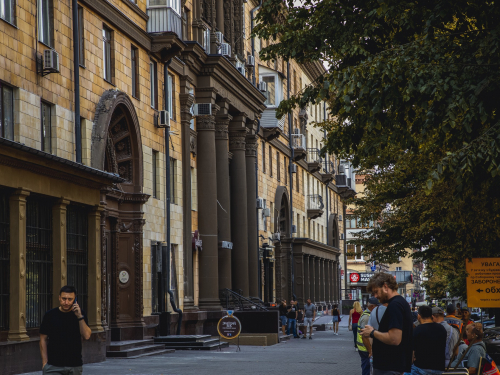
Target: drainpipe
[
  {"x": 259, "y": 271},
  {"x": 254, "y": 81},
  {"x": 290, "y": 162},
  {"x": 326, "y": 185},
  {"x": 345, "y": 248},
  {"x": 76, "y": 68},
  {"x": 165, "y": 259}
]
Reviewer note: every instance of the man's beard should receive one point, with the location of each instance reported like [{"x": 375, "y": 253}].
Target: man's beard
[{"x": 383, "y": 297}]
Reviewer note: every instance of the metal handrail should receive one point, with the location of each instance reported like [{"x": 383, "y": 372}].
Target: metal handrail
[
  {"x": 315, "y": 202},
  {"x": 239, "y": 299},
  {"x": 314, "y": 155}
]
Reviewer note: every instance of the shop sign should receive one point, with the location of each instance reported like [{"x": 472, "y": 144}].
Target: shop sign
[
  {"x": 354, "y": 277},
  {"x": 229, "y": 327},
  {"x": 361, "y": 277},
  {"x": 483, "y": 282}
]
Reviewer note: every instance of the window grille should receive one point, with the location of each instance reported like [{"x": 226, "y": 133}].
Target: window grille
[
  {"x": 4, "y": 261},
  {"x": 77, "y": 252},
  {"x": 38, "y": 260}
]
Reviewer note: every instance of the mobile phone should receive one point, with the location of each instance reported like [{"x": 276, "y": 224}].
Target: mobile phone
[{"x": 76, "y": 300}]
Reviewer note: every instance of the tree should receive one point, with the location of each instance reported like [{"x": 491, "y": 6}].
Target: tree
[{"x": 413, "y": 93}]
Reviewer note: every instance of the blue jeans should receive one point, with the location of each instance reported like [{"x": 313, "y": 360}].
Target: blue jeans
[
  {"x": 283, "y": 320},
  {"x": 293, "y": 324},
  {"x": 365, "y": 362},
  {"x": 418, "y": 371},
  {"x": 355, "y": 333}
]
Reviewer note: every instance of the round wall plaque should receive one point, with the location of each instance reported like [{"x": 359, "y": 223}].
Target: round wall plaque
[
  {"x": 229, "y": 327},
  {"x": 123, "y": 277}
]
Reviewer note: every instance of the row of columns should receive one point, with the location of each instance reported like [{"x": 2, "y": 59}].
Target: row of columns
[{"x": 17, "y": 306}]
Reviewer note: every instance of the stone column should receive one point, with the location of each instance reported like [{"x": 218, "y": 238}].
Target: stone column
[
  {"x": 223, "y": 196},
  {"x": 17, "y": 308},
  {"x": 328, "y": 282},
  {"x": 239, "y": 214},
  {"x": 307, "y": 282},
  {"x": 60, "y": 267},
  {"x": 335, "y": 282},
  {"x": 207, "y": 213},
  {"x": 220, "y": 15},
  {"x": 322, "y": 280},
  {"x": 187, "y": 100},
  {"x": 317, "y": 277},
  {"x": 94, "y": 245},
  {"x": 312, "y": 279},
  {"x": 253, "y": 241},
  {"x": 298, "y": 260}
]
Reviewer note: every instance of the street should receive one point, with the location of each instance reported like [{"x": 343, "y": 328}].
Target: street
[{"x": 324, "y": 354}]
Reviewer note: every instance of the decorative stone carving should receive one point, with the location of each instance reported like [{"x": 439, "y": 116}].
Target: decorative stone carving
[
  {"x": 237, "y": 141},
  {"x": 204, "y": 123},
  {"x": 251, "y": 145},
  {"x": 193, "y": 142}
]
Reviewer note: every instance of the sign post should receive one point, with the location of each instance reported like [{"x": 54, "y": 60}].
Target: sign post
[
  {"x": 229, "y": 327},
  {"x": 483, "y": 282}
]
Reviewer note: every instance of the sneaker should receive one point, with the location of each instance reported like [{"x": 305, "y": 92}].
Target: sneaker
[
  {"x": 356, "y": 349},
  {"x": 304, "y": 337},
  {"x": 310, "y": 338}
]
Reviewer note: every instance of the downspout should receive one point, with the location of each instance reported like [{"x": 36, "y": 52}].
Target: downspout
[
  {"x": 254, "y": 81},
  {"x": 259, "y": 271},
  {"x": 326, "y": 185},
  {"x": 345, "y": 249},
  {"x": 290, "y": 162},
  {"x": 76, "y": 68},
  {"x": 166, "y": 249}
]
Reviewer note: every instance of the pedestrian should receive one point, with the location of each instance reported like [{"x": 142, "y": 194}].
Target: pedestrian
[
  {"x": 470, "y": 356},
  {"x": 429, "y": 345},
  {"x": 363, "y": 343},
  {"x": 335, "y": 319},
  {"x": 376, "y": 316},
  {"x": 392, "y": 341},
  {"x": 61, "y": 335},
  {"x": 414, "y": 314},
  {"x": 466, "y": 320},
  {"x": 309, "y": 316},
  {"x": 354, "y": 315},
  {"x": 283, "y": 311},
  {"x": 292, "y": 314},
  {"x": 452, "y": 335},
  {"x": 458, "y": 310},
  {"x": 451, "y": 319}
]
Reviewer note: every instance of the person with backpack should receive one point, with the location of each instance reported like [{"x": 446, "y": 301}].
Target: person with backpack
[
  {"x": 466, "y": 320},
  {"x": 363, "y": 343},
  {"x": 473, "y": 355},
  {"x": 451, "y": 319},
  {"x": 452, "y": 334}
]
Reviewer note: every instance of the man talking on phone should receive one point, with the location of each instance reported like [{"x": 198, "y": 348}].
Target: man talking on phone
[{"x": 61, "y": 335}]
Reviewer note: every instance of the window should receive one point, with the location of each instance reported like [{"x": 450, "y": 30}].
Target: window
[
  {"x": 106, "y": 47},
  {"x": 4, "y": 261},
  {"x": 206, "y": 40},
  {"x": 263, "y": 157},
  {"x": 278, "y": 166},
  {"x": 303, "y": 226},
  {"x": 399, "y": 268},
  {"x": 38, "y": 260},
  {"x": 350, "y": 221},
  {"x": 270, "y": 161},
  {"x": 154, "y": 163},
  {"x": 134, "y": 58},
  {"x": 152, "y": 83},
  {"x": 81, "y": 38},
  {"x": 7, "y": 10},
  {"x": 6, "y": 111},
  {"x": 273, "y": 94},
  {"x": 172, "y": 181},
  {"x": 170, "y": 96},
  {"x": 46, "y": 127},
  {"x": 303, "y": 182},
  {"x": 186, "y": 29},
  {"x": 155, "y": 275},
  {"x": 77, "y": 252},
  {"x": 45, "y": 25},
  {"x": 285, "y": 170}
]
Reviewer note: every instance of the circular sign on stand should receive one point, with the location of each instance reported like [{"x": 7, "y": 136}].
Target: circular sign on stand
[{"x": 229, "y": 327}]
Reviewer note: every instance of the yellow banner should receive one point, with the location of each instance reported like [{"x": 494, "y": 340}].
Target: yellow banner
[{"x": 483, "y": 282}]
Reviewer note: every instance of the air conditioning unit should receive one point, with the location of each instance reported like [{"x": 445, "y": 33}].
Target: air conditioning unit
[
  {"x": 164, "y": 119},
  {"x": 225, "y": 49},
  {"x": 276, "y": 236},
  {"x": 51, "y": 61},
  {"x": 226, "y": 245},
  {"x": 241, "y": 69},
  {"x": 341, "y": 236},
  {"x": 266, "y": 212},
  {"x": 219, "y": 37},
  {"x": 250, "y": 60},
  {"x": 202, "y": 109},
  {"x": 340, "y": 217},
  {"x": 294, "y": 229},
  {"x": 293, "y": 168},
  {"x": 263, "y": 86},
  {"x": 260, "y": 203}
]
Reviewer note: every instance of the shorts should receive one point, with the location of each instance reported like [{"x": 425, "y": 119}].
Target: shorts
[
  {"x": 308, "y": 322},
  {"x": 49, "y": 369},
  {"x": 335, "y": 319},
  {"x": 283, "y": 320}
]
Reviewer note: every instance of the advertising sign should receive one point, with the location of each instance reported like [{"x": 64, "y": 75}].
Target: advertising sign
[
  {"x": 360, "y": 277},
  {"x": 354, "y": 277},
  {"x": 483, "y": 282},
  {"x": 229, "y": 327}
]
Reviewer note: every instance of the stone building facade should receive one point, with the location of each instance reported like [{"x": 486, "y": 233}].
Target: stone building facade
[{"x": 254, "y": 207}]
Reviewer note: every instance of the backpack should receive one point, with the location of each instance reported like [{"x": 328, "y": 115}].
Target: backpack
[{"x": 489, "y": 366}]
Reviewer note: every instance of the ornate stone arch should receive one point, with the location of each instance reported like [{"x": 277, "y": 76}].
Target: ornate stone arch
[
  {"x": 116, "y": 139},
  {"x": 282, "y": 212}
]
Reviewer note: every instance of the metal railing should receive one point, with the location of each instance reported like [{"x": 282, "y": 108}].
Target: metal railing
[
  {"x": 164, "y": 19},
  {"x": 313, "y": 155},
  {"x": 299, "y": 141},
  {"x": 4, "y": 262},
  {"x": 232, "y": 300},
  {"x": 269, "y": 120},
  {"x": 315, "y": 202},
  {"x": 328, "y": 167}
]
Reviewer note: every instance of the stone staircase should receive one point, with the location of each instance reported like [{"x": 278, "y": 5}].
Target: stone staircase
[
  {"x": 190, "y": 342},
  {"x": 135, "y": 349}
]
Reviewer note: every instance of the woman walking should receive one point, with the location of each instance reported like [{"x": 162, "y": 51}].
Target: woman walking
[
  {"x": 335, "y": 320},
  {"x": 283, "y": 320},
  {"x": 354, "y": 315}
]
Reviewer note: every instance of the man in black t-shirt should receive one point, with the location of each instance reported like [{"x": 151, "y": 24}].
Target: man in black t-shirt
[
  {"x": 392, "y": 342},
  {"x": 292, "y": 314},
  {"x": 429, "y": 344},
  {"x": 61, "y": 335}
]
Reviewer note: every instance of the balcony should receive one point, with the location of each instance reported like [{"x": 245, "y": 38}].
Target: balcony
[
  {"x": 314, "y": 161},
  {"x": 163, "y": 18},
  {"x": 271, "y": 126},
  {"x": 299, "y": 146},
  {"x": 314, "y": 206},
  {"x": 328, "y": 172},
  {"x": 345, "y": 186}
]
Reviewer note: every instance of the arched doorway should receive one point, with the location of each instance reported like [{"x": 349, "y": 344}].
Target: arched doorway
[
  {"x": 333, "y": 231},
  {"x": 117, "y": 148},
  {"x": 282, "y": 225}
]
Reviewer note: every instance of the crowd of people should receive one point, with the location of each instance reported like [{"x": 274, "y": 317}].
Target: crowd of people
[{"x": 292, "y": 314}]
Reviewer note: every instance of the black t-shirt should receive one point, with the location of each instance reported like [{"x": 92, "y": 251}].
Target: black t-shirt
[
  {"x": 282, "y": 310},
  {"x": 64, "y": 347},
  {"x": 335, "y": 312},
  {"x": 395, "y": 357},
  {"x": 429, "y": 344},
  {"x": 292, "y": 309}
]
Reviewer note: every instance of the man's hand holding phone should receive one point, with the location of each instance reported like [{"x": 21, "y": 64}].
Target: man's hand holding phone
[{"x": 76, "y": 309}]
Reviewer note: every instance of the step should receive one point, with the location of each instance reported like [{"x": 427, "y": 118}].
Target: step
[
  {"x": 115, "y": 346},
  {"x": 191, "y": 343},
  {"x": 212, "y": 346},
  {"x": 163, "y": 351},
  {"x": 135, "y": 351},
  {"x": 182, "y": 338}
]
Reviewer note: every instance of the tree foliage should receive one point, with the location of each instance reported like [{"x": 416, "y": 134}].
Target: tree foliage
[{"x": 413, "y": 93}]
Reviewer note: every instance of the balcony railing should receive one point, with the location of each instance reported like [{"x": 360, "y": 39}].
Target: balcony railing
[
  {"x": 328, "y": 167},
  {"x": 299, "y": 141},
  {"x": 313, "y": 155},
  {"x": 164, "y": 19},
  {"x": 315, "y": 202},
  {"x": 269, "y": 120}
]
